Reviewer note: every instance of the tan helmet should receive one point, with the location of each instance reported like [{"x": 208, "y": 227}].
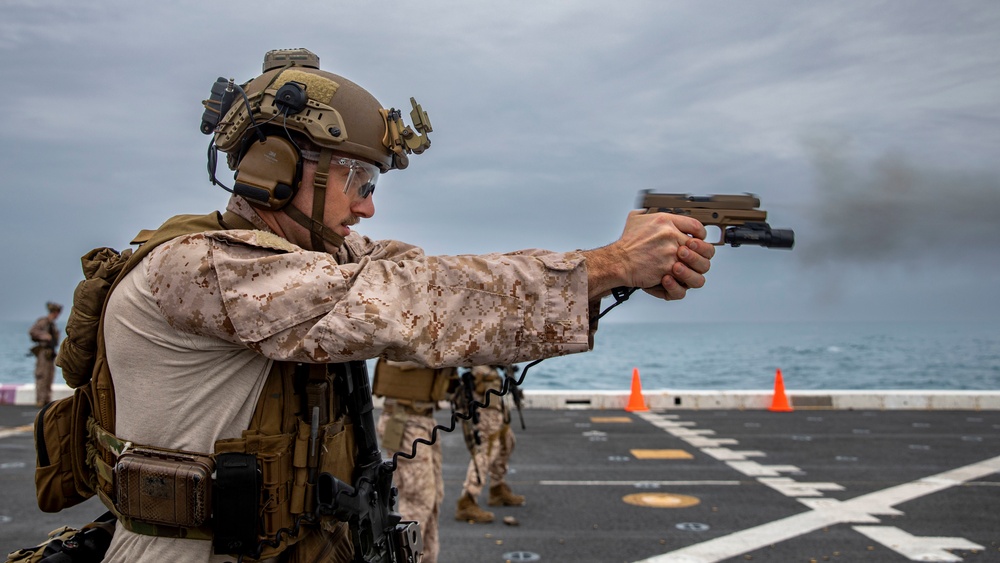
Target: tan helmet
[
  {"x": 253, "y": 125},
  {"x": 333, "y": 112}
]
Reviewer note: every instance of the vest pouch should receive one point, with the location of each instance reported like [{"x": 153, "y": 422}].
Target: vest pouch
[
  {"x": 274, "y": 459},
  {"x": 163, "y": 487},
  {"x": 335, "y": 451},
  {"x": 333, "y": 543},
  {"x": 60, "y": 444},
  {"x": 442, "y": 386},
  {"x": 339, "y": 453},
  {"x": 406, "y": 381}
]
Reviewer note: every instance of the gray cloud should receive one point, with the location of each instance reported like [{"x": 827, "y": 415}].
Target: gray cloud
[{"x": 870, "y": 130}]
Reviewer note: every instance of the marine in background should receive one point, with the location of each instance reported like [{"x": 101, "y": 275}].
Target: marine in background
[
  {"x": 411, "y": 396},
  {"x": 45, "y": 335},
  {"x": 491, "y": 442}
]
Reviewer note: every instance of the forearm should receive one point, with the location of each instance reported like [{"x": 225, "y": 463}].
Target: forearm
[{"x": 463, "y": 310}]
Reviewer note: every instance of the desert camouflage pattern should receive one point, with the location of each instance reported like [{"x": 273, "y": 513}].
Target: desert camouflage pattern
[
  {"x": 419, "y": 480},
  {"x": 492, "y": 455},
  {"x": 286, "y": 303}
]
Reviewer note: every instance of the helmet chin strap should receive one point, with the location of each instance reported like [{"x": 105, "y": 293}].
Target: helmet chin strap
[{"x": 318, "y": 232}]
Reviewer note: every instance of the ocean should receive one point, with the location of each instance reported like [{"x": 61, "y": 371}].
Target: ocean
[{"x": 731, "y": 356}]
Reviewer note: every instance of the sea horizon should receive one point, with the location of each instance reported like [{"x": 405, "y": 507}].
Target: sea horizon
[{"x": 706, "y": 355}]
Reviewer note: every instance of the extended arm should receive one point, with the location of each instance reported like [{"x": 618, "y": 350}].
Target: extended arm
[{"x": 662, "y": 253}]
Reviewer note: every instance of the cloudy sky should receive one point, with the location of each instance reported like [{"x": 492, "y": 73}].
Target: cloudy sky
[{"x": 870, "y": 128}]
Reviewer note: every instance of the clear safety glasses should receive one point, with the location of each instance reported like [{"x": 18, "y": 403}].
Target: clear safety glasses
[{"x": 361, "y": 175}]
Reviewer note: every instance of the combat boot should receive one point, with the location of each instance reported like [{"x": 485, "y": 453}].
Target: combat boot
[
  {"x": 469, "y": 511},
  {"x": 501, "y": 495}
]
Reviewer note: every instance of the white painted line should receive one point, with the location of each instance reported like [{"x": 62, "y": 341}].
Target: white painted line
[
  {"x": 710, "y": 442},
  {"x": 825, "y": 512},
  {"x": 791, "y": 488},
  {"x": 726, "y": 454},
  {"x": 684, "y": 432},
  {"x": 672, "y": 423},
  {"x": 7, "y": 432},
  {"x": 754, "y": 469},
  {"x": 917, "y": 548},
  {"x": 640, "y": 483}
]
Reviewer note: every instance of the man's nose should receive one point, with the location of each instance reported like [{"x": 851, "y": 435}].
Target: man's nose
[{"x": 364, "y": 208}]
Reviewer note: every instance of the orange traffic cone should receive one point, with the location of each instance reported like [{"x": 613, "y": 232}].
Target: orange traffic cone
[
  {"x": 635, "y": 401},
  {"x": 780, "y": 402}
]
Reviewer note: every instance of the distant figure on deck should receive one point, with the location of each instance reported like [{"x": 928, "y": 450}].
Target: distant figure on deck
[
  {"x": 45, "y": 334},
  {"x": 412, "y": 393},
  {"x": 491, "y": 445}
]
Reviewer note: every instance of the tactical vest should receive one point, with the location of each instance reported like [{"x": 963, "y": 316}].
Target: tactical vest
[
  {"x": 410, "y": 382},
  {"x": 486, "y": 380},
  {"x": 154, "y": 491},
  {"x": 410, "y": 390}
]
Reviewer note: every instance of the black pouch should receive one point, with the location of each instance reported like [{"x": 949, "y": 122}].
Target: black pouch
[{"x": 235, "y": 502}]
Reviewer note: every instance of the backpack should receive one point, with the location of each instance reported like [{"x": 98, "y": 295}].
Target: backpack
[
  {"x": 77, "y": 448},
  {"x": 64, "y": 476},
  {"x": 61, "y": 475}
]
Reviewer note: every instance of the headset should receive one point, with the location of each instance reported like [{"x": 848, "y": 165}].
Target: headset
[{"x": 269, "y": 168}]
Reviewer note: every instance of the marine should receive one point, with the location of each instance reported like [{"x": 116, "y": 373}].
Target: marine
[{"x": 223, "y": 338}]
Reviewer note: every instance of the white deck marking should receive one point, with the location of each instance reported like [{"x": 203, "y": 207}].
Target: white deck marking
[
  {"x": 917, "y": 548},
  {"x": 726, "y": 454},
  {"x": 754, "y": 469},
  {"x": 685, "y": 432},
  {"x": 826, "y": 512},
  {"x": 8, "y": 431},
  {"x": 791, "y": 488},
  {"x": 700, "y": 442},
  {"x": 640, "y": 483}
]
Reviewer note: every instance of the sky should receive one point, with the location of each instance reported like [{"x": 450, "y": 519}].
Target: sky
[{"x": 872, "y": 129}]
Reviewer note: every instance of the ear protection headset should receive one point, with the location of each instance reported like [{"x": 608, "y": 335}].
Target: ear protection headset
[{"x": 270, "y": 169}]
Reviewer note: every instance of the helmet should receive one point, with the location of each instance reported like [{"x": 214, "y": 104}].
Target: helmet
[
  {"x": 254, "y": 124},
  {"x": 293, "y": 94}
]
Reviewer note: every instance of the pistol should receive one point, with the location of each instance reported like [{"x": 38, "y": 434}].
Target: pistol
[{"x": 738, "y": 217}]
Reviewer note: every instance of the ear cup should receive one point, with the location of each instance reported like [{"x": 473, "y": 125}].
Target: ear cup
[{"x": 268, "y": 174}]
